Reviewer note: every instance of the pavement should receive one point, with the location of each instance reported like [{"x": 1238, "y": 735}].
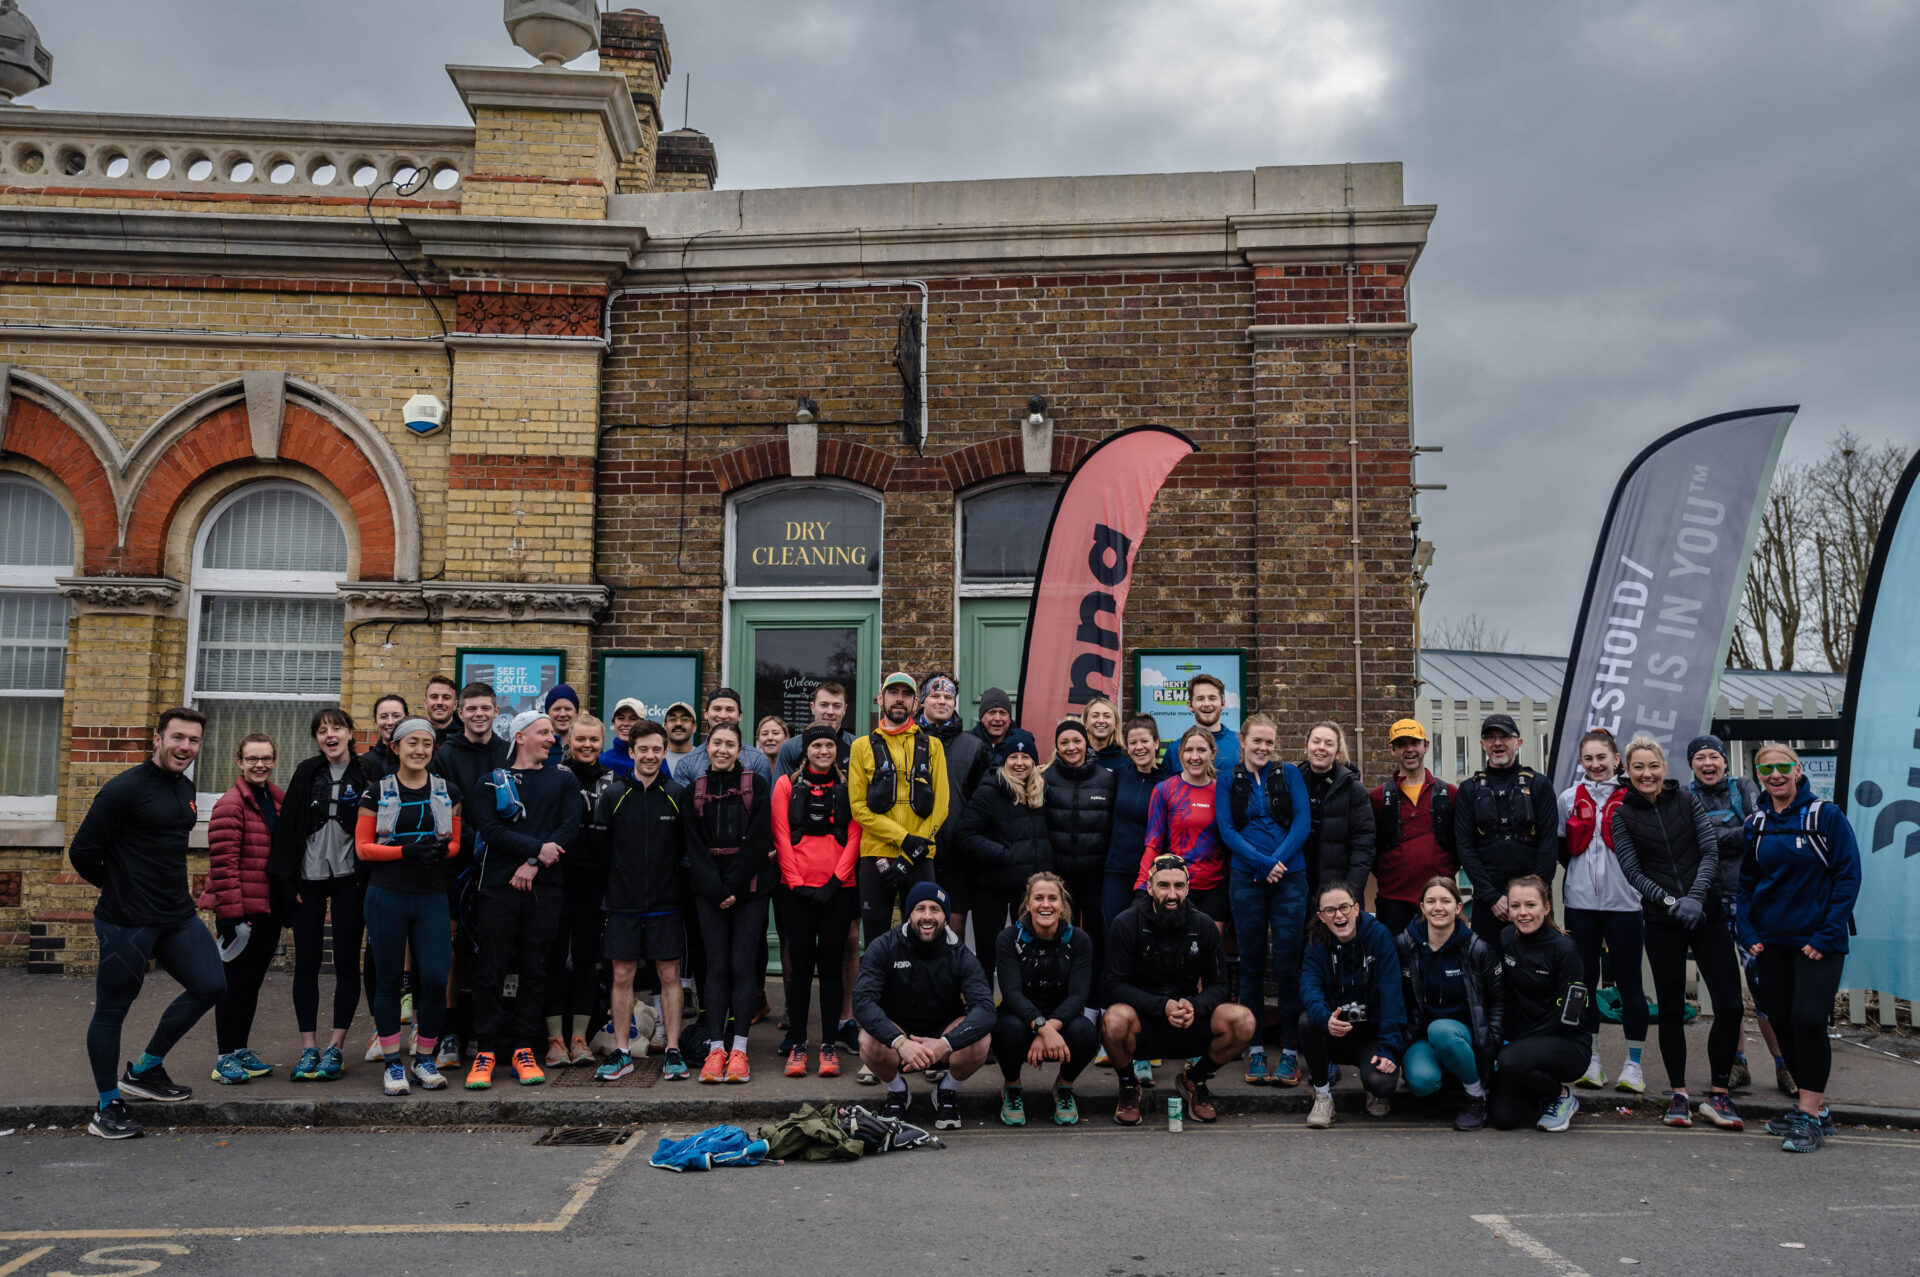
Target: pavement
[{"x": 44, "y": 1079}]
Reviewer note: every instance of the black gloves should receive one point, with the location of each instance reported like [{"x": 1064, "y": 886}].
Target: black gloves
[
  {"x": 428, "y": 851},
  {"x": 823, "y": 894},
  {"x": 1689, "y": 911},
  {"x": 915, "y": 848}
]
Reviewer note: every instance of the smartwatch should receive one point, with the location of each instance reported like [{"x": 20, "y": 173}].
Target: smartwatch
[{"x": 1039, "y": 1023}]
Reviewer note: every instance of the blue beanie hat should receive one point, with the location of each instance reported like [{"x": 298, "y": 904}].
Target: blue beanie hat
[
  {"x": 929, "y": 891},
  {"x": 1020, "y": 741},
  {"x": 1709, "y": 741},
  {"x": 561, "y": 692}
]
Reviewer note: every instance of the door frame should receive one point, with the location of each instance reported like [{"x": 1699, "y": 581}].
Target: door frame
[{"x": 860, "y": 614}]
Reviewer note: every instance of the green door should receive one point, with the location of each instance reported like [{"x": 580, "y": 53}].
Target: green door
[
  {"x": 778, "y": 651},
  {"x": 993, "y": 638}
]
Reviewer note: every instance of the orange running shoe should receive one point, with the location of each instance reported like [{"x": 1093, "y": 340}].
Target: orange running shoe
[
  {"x": 480, "y": 1076},
  {"x": 797, "y": 1062},
  {"x": 737, "y": 1070},
  {"x": 714, "y": 1070},
  {"x": 829, "y": 1060},
  {"x": 527, "y": 1067}
]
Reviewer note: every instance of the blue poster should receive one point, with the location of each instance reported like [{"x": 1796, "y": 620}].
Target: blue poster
[
  {"x": 1160, "y": 686},
  {"x": 655, "y": 679},
  {"x": 518, "y": 678},
  {"x": 1818, "y": 766}
]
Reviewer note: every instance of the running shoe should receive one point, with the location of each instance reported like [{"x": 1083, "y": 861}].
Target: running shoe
[
  {"x": 1783, "y": 1078},
  {"x": 1126, "y": 1110},
  {"x": 865, "y": 1076},
  {"x": 672, "y": 1067},
  {"x": 848, "y": 1035},
  {"x": 896, "y": 1103},
  {"x": 618, "y": 1065},
  {"x": 1474, "y": 1116},
  {"x": 447, "y": 1056},
  {"x": 375, "y": 1052},
  {"x": 111, "y": 1121},
  {"x": 1595, "y": 1077},
  {"x": 307, "y": 1067},
  {"x": 406, "y": 1008},
  {"x": 1320, "y": 1116},
  {"x": 797, "y": 1062},
  {"x": 154, "y": 1084},
  {"x": 714, "y": 1071},
  {"x": 558, "y": 1056},
  {"x": 1559, "y": 1113},
  {"x": 1257, "y": 1074},
  {"x": 1804, "y": 1134},
  {"x": 527, "y": 1068},
  {"x": 829, "y": 1060},
  {"x": 1066, "y": 1108},
  {"x": 738, "y": 1070},
  {"x": 480, "y": 1076},
  {"x": 1378, "y": 1105},
  {"x": 580, "y": 1052},
  {"x": 1287, "y": 1072},
  {"x": 946, "y": 1108},
  {"x": 1632, "y": 1078},
  {"x": 428, "y": 1074},
  {"x": 1742, "y": 1076},
  {"x": 253, "y": 1064},
  {"x": 228, "y": 1071},
  {"x": 1783, "y": 1124},
  {"x": 333, "y": 1064},
  {"x": 1143, "y": 1074},
  {"x": 1200, "y": 1105},
  {"x": 1679, "y": 1110},
  {"x": 1718, "y": 1109},
  {"x": 395, "y": 1080},
  {"x": 1013, "y": 1106}
]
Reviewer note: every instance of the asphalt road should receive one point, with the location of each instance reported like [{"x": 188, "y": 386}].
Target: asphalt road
[{"x": 1248, "y": 1196}]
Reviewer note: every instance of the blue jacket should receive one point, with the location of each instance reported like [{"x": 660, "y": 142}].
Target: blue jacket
[
  {"x": 690, "y": 767},
  {"x": 1793, "y": 889},
  {"x": 615, "y": 758},
  {"x": 1130, "y": 799},
  {"x": 1260, "y": 843},
  {"x": 1364, "y": 969},
  {"x": 1226, "y": 753}
]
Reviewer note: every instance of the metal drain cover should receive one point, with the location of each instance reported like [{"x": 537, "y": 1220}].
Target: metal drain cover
[{"x": 584, "y": 1136}]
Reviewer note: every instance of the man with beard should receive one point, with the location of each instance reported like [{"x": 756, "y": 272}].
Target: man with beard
[
  {"x": 923, "y": 1002},
  {"x": 897, "y": 786},
  {"x": 966, "y": 763},
  {"x": 1166, "y": 994},
  {"x": 678, "y": 720},
  {"x": 1207, "y": 701}
]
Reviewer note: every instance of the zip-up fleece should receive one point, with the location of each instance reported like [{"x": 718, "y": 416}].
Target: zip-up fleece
[
  {"x": 1364, "y": 969},
  {"x": 1796, "y": 889},
  {"x": 646, "y": 843}
]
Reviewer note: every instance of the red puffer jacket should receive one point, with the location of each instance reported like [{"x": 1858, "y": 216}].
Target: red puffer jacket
[{"x": 237, "y": 844}]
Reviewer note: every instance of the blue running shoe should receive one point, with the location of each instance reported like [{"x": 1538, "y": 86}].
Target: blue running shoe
[
  {"x": 228, "y": 1071},
  {"x": 1257, "y": 1074},
  {"x": 332, "y": 1065},
  {"x": 1804, "y": 1134},
  {"x": 673, "y": 1068},
  {"x": 1289, "y": 1072},
  {"x": 618, "y": 1065},
  {"x": 1559, "y": 1113},
  {"x": 253, "y": 1064},
  {"x": 307, "y": 1067}
]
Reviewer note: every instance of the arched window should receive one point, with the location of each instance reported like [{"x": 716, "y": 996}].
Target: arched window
[
  {"x": 36, "y": 546},
  {"x": 264, "y": 633},
  {"x": 999, "y": 538}
]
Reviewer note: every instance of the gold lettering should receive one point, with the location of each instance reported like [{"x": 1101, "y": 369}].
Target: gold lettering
[
  {"x": 762, "y": 556},
  {"x": 859, "y": 556},
  {"x": 795, "y": 531}
]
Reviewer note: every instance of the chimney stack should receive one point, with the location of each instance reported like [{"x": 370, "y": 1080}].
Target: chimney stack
[{"x": 634, "y": 43}]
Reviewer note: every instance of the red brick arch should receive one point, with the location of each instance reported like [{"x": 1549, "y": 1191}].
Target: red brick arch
[
  {"x": 40, "y": 435},
  {"x": 838, "y": 459},
  {"x": 1004, "y": 457}
]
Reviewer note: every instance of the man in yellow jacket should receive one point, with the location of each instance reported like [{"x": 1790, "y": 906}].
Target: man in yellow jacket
[{"x": 897, "y": 786}]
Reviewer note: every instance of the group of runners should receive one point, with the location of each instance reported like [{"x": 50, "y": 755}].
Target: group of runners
[{"x": 542, "y": 890}]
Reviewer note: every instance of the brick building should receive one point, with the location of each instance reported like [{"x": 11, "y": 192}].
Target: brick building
[{"x": 209, "y": 491}]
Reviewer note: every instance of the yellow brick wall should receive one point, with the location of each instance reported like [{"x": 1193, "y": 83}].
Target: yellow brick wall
[{"x": 567, "y": 151}]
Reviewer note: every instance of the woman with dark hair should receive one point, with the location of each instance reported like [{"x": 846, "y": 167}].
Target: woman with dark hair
[
  {"x": 1603, "y": 906},
  {"x": 1078, "y": 795},
  {"x": 1135, "y": 778},
  {"x": 1180, "y": 822},
  {"x": 1351, "y": 999},
  {"x": 1546, "y": 1045},
  {"x": 1045, "y": 967},
  {"x": 388, "y": 713},
  {"x": 1455, "y": 997},
  {"x": 1003, "y": 836},
  {"x": 1340, "y": 848},
  {"x": 239, "y": 845},
  {"x": 817, "y": 841},
  {"x": 729, "y": 832}
]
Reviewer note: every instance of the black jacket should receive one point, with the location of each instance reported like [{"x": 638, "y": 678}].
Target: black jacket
[
  {"x": 1039, "y": 977},
  {"x": 730, "y": 843},
  {"x": 1539, "y": 970},
  {"x": 1506, "y": 823},
  {"x": 966, "y": 756},
  {"x": 133, "y": 846},
  {"x": 1668, "y": 848},
  {"x": 646, "y": 833},
  {"x": 1728, "y": 805},
  {"x": 1079, "y": 808},
  {"x": 1153, "y": 960},
  {"x": 466, "y": 764},
  {"x": 597, "y": 786},
  {"x": 308, "y": 791},
  {"x": 906, "y": 986},
  {"x": 1003, "y": 842},
  {"x": 551, "y": 812},
  {"x": 1482, "y": 974},
  {"x": 1340, "y": 848}
]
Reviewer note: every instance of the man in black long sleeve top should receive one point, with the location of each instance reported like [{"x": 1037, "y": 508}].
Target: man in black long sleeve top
[
  {"x": 133, "y": 846},
  {"x": 922, "y": 1000},
  {"x": 526, "y": 816},
  {"x": 1166, "y": 993},
  {"x": 1506, "y": 823}
]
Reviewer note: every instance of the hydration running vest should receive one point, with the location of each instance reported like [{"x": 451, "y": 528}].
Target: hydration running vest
[
  {"x": 840, "y": 822},
  {"x": 387, "y": 815},
  {"x": 1387, "y": 837},
  {"x": 1586, "y": 819},
  {"x": 1507, "y": 813},
  {"x": 884, "y": 789},
  {"x": 1279, "y": 797}
]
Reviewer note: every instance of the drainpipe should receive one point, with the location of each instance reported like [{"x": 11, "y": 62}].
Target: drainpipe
[{"x": 1353, "y": 477}]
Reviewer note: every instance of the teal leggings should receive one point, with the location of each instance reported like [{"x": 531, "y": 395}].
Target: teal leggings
[{"x": 1448, "y": 1046}]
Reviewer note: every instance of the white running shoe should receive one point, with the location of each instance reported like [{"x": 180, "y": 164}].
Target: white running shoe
[
  {"x": 374, "y": 1053},
  {"x": 1595, "y": 1077},
  {"x": 1320, "y": 1117},
  {"x": 1631, "y": 1079}
]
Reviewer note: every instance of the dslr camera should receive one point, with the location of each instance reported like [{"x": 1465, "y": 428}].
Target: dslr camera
[{"x": 1353, "y": 1013}]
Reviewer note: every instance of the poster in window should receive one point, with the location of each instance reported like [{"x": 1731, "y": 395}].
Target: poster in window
[
  {"x": 519, "y": 677},
  {"x": 655, "y": 679},
  {"x": 1160, "y": 681}
]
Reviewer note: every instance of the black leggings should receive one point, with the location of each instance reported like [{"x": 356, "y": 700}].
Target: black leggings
[
  {"x": 1668, "y": 944},
  {"x": 816, "y": 942},
  {"x": 185, "y": 951},
  {"x": 881, "y": 893},
  {"x": 233, "y": 1017},
  {"x": 1085, "y": 888},
  {"x": 1530, "y": 1072},
  {"x": 1012, "y": 1036},
  {"x": 348, "y": 898},
  {"x": 1798, "y": 995},
  {"x": 1623, "y": 934},
  {"x": 573, "y": 964},
  {"x": 993, "y": 909},
  {"x": 1322, "y": 1049},
  {"x": 732, "y": 937}
]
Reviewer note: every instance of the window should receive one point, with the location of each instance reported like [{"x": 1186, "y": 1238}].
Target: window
[
  {"x": 999, "y": 538},
  {"x": 1000, "y": 533},
  {"x": 265, "y": 628},
  {"x": 36, "y": 546}
]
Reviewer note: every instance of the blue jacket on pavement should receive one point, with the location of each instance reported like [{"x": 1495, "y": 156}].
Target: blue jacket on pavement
[
  {"x": 1364, "y": 969},
  {"x": 1260, "y": 843},
  {"x": 1800, "y": 877}
]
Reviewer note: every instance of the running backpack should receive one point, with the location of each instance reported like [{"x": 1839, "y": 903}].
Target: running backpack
[
  {"x": 1387, "y": 836},
  {"x": 387, "y": 816},
  {"x": 884, "y": 789},
  {"x": 800, "y": 790},
  {"x": 1279, "y": 799},
  {"x": 1507, "y": 813}
]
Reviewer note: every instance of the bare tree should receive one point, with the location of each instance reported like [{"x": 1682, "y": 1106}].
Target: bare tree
[
  {"x": 1768, "y": 634},
  {"x": 1852, "y": 486},
  {"x": 1469, "y": 633}
]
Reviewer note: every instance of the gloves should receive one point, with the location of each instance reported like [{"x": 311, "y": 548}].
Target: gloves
[
  {"x": 915, "y": 848},
  {"x": 429, "y": 851},
  {"x": 824, "y": 894},
  {"x": 1689, "y": 911}
]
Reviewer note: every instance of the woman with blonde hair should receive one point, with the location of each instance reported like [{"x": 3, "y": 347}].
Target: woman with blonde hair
[
  {"x": 1003, "y": 836},
  {"x": 1102, "y": 718},
  {"x": 1340, "y": 848},
  {"x": 1045, "y": 967}
]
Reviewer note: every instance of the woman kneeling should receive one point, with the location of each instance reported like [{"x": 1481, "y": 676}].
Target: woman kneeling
[{"x": 1454, "y": 996}]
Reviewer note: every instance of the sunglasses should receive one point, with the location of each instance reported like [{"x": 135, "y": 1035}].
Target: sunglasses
[{"x": 1775, "y": 769}]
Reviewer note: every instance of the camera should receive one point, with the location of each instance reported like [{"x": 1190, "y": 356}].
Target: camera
[{"x": 1353, "y": 1013}]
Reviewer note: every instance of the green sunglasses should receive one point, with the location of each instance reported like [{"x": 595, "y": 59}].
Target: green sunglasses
[{"x": 1774, "y": 769}]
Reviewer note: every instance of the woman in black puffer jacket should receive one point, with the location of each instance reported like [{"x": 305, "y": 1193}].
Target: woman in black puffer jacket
[
  {"x": 1079, "y": 807},
  {"x": 1003, "y": 837},
  {"x": 1340, "y": 849}
]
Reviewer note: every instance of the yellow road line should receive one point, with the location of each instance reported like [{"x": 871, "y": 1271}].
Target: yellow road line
[{"x": 581, "y": 1192}]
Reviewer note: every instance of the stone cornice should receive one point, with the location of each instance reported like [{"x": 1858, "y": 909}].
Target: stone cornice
[
  {"x": 532, "y": 248},
  {"x": 605, "y": 93},
  {"x": 515, "y": 601},
  {"x": 38, "y": 237},
  {"x": 147, "y": 596}
]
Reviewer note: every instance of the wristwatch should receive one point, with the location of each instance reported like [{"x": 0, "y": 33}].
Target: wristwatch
[
  {"x": 1039, "y": 1023},
  {"x": 534, "y": 861},
  {"x": 1669, "y": 902}
]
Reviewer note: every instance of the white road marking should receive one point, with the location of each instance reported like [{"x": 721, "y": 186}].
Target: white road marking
[
  {"x": 1889, "y": 1206},
  {"x": 1550, "y": 1258}
]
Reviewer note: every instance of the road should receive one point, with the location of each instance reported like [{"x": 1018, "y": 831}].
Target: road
[{"x": 1248, "y": 1196}]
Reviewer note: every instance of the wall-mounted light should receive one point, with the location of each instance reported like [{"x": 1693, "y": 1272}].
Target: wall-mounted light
[
  {"x": 1036, "y": 437},
  {"x": 806, "y": 411},
  {"x": 1037, "y": 410}
]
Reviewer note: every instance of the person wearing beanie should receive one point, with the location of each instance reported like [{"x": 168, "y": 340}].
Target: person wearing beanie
[
  {"x": 562, "y": 705},
  {"x": 1079, "y": 804},
  {"x": 897, "y": 785},
  {"x": 527, "y": 816},
  {"x": 817, "y": 843},
  {"x": 1003, "y": 836},
  {"x": 966, "y": 766},
  {"x": 923, "y": 1002},
  {"x": 996, "y": 720}
]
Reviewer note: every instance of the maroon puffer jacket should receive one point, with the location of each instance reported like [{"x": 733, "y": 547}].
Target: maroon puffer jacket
[{"x": 237, "y": 844}]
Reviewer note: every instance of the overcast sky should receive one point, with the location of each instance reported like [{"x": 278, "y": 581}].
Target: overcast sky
[{"x": 1648, "y": 213}]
